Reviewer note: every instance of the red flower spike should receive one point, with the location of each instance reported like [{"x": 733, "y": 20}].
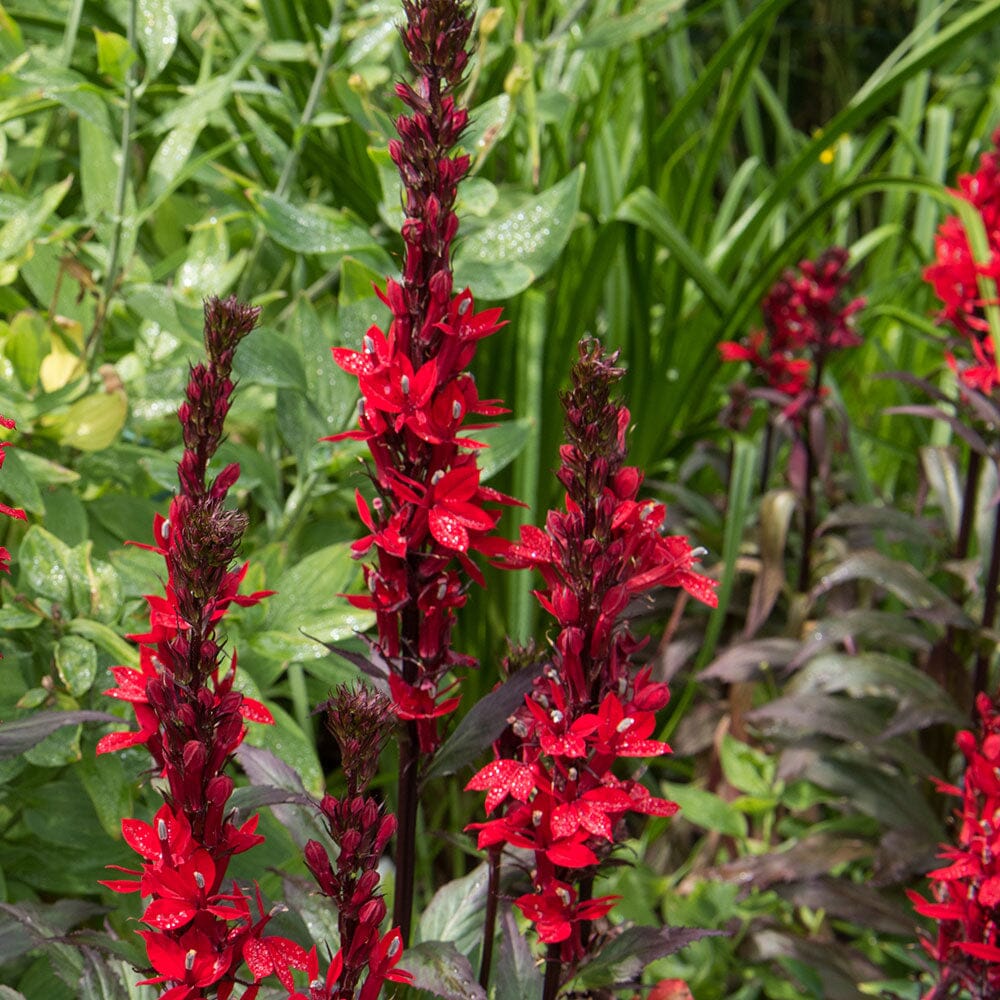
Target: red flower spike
[{"x": 966, "y": 890}]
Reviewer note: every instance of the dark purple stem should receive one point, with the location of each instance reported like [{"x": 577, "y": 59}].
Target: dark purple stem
[
  {"x": 553, "y": 973},
  {"x": 490, "y": 921}
]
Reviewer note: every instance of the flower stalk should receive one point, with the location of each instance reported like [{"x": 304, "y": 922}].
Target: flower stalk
[
  {"x": 192, "y": 719},
  {"x": 428, "y": 513},
  {"x": 552, "y": 780}
]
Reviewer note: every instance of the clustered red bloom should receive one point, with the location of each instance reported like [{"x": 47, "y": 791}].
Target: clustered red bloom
[
  {"x": 966, "y": 891},
  {"x": 360, "y": 720},
  {"x": 554, "y": 769},
  {"x": 955, "y": 273},
  {"x": 191, "y": 719},
  {"x": 805, "y": 317},
  {"x": 416, "y": 394},
  {"x": 14, "y": 512}
]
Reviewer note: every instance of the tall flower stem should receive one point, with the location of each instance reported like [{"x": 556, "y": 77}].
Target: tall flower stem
[
  {"x": 553, "y": 973},
  {"x": 813, "y": 409},
  {"x": 490, "y": 920},
  {"x": 972, "y": 474}
]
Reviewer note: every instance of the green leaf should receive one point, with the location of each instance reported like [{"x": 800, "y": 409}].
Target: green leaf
[
  {"x": 157, "y": 26},
  {"x": 643, "y": 208},
  {"x": 307, "y": 604},
  {"x": 44, "y": 562},
  {"x": 28, "y": 341},
  {"x": 209, "y": 268},
  {"x": 114, "y": 55},
  {"x": 100, "y": 162},
  {"x": 439, "y": 968},
  {"x": 266, "y": 358},
  {"x": 18, "y": 486},
  {"x": 746, "y": 769},
  {"x": 107, "y": 639},
  {"x": 506, "y": 441},
  {"x": 94, "y": 422},
  {"x": 510, "y": 253},
  {"x": 25, "y": 224},
  {"x": 310, "y": 228},
  {"x": 516, "y": 974},
  {"x": 76, "y": 661},
  {"x": 705, "y": 810},
  {"x": 455, "y": 913},
  {"x": 645, "y": 19}
]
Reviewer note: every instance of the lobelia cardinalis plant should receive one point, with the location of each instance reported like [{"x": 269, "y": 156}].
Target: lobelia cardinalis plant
[
  {"x": 961, "y": 283},
  {"x": 191, "y": 718},
  {"x": 965, "y": 892},
  {"x": 553, "y": 778},
  {"x": 806, "y": 319},
  {"x": 428, "y": 515},
  {"x": 6, "y": 509}
]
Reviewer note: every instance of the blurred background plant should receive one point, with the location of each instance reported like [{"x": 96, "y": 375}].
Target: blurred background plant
[{"x": 643, "y": 170}]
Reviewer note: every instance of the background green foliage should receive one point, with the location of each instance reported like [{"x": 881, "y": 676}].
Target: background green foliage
[{"x": 642, "y": 170}]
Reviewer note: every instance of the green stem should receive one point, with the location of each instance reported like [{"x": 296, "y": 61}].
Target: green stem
[
  {"x": 980, "y": 676},
  {"x": 968, "y": 504},
  {"x": 121, "y": 190},
  {"x": 330, "y": 39}
]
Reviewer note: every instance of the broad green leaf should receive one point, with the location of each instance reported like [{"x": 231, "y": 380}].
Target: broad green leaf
[
  {"x": 107, "y": 639},
  {"x": 25, "y": 224},
  {"x": 17, "y": 488},
  {"x": 59, "y": 748},
  {"x": 94, "y": 422},
  {"x": 27, "y": 341},
  {"x": 310, "y": 228},
  {"x": 209, "y": 268},
  {"x": 705, "y": 810},
  {"x": 171, "y": 156},
  {"x": 157, "y": 28},
  {"x": 489, "y": 124},
  {"x": 505, "y": 441},
  {"x": 455, "y": 913},
  {"x": 114, "y": 55},
  {"x": 44, "y": 562},
  {"x": 746, "y": 769},
  {"x": 509, "y": 253},
  {"x": 266, "y": 358},
  {"x": 76, "y": 661},
  {"x": 439, "y": 968},
  {"x": 306, "y": 612}
]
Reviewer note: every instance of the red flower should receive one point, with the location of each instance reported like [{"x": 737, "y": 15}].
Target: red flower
[
  {"x": 554, "y": 910},
  {"x": 966, "y": 890}
]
